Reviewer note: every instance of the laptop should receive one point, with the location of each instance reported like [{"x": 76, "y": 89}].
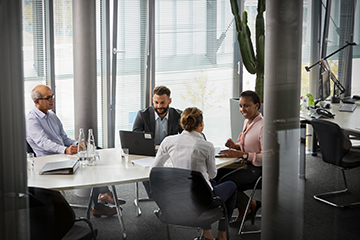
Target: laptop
[{"x": 138, "y": 143}]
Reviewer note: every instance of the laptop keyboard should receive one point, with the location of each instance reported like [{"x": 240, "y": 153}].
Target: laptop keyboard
[{"x": 347, "y": 107}]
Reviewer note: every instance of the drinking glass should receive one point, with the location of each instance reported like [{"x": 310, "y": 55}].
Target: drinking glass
[
  {"x": 30, "y": 161},
  {"x": 125, "y": 156}
]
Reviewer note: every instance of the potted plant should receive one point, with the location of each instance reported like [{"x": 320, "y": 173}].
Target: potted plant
[{"x": 254, "y": 64}]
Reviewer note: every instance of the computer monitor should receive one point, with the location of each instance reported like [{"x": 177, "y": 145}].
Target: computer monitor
[{"x": 324, "y": 86}]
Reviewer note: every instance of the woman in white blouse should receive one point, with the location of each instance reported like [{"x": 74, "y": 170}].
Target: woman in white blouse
[{"x": 190, "y": 150}]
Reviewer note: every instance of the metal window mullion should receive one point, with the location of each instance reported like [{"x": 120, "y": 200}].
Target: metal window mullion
[
  {"x": 237, "y": 61},
  {"x": 150, "y": 71},
  {"x": 112, "y": 105},
  {"x": 50, "y": 53},
  {"x": 107, "y": 125},
  {"x": 326, "y": 29}
]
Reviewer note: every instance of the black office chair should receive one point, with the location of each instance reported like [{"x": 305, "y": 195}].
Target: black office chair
[
  {"x": 336, "y": 149},
  {"x": 29, "y": 148},
  {"x": 184, "y": 197},
  {"x": 51, "y": 217}
]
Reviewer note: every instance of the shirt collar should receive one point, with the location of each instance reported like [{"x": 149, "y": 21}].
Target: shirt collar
[
  {"x": 157, "y": 116},
  {"x": 40, "y": 113},
  {"x": 193, "y": 133}
]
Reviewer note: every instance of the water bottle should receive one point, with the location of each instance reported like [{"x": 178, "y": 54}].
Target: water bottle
[
  {"x": 91, "y": 148},
  {"x": 82, "y": 148}
]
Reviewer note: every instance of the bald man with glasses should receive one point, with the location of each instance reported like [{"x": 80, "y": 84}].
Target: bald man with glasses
[{"x": 44, "y": 130}]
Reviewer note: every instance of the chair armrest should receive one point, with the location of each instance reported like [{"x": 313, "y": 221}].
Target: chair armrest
[
  {"x": 94, "y": 232},
  {"x": 222, "y": 205},
  {"x": 225, "y": 214},
  {"x": 233, "y": 171}
]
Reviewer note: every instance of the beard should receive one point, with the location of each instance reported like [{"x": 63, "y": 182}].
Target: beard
[{"x": 162, "y": 111}]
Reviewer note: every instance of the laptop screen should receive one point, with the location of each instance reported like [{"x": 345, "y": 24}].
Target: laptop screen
[{"x": 138, "y": 143}]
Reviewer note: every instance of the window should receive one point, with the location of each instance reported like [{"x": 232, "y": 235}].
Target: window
[{"x": 194, "y": 58}]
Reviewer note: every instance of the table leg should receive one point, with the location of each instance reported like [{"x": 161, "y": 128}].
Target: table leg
[
  {"x": 119, "y": 212},
  {"x": 302, "y": 150},
  {"x": 88, "y": 210},
  {"x": 136, "y": 201}
]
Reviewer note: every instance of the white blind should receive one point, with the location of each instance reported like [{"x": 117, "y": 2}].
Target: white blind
[{"x": 130, "y": 82}]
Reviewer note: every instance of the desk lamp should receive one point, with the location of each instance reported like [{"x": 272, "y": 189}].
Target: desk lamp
[{"x": 338, "y": 88}]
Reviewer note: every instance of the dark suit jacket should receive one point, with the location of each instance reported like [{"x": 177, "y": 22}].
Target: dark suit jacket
[{"x": 145, "y": 121}]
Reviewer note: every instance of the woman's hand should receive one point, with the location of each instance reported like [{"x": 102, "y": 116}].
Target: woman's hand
[
  {"x": 230, "y": 144},
  {"x": 231, "y": 153}
]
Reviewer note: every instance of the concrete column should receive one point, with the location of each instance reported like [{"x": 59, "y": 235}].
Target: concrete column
[
  {"x": 85, "y": 69},
  {"x": 14, "y": 216},
  {"x": 282, "y": 191}
]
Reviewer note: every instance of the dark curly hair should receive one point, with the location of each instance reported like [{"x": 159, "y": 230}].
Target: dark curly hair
[
  {"x": 191, "y": 118},
  {"x": 254, "y": 96}
]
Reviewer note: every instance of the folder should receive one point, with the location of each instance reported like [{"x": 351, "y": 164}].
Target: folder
[{"x": 60, "y": 167}]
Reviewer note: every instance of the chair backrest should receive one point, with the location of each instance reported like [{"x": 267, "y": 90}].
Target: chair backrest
[
  {"x": 29, "y": 148},
  {"x": 181, "y": 194},
  {"x": 51, "y": 216},
  {"x": 334, "y": 145}
]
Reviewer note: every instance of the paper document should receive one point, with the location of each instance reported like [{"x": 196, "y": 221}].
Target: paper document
[{"x": 144, "y": 162}]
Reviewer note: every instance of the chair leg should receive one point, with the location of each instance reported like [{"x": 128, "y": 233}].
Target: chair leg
[
  {"x": 168, "y": 232},
  {"x": 320, "y": 197},
  {"x": 247, "y": 209}
]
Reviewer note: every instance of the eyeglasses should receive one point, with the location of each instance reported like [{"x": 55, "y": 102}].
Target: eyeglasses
[{"x": 48, "y": 98}]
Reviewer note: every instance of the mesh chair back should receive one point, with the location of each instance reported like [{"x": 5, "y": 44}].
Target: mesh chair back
[
  {"x": 181, "y": 194},
  {"x": 333, "y": 143},
  {"x": 51, "y": 217}
]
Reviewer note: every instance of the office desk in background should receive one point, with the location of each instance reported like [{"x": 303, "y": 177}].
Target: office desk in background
[
  {"x": 108, "y": 172},
  {"x": 348, "y": 121}
]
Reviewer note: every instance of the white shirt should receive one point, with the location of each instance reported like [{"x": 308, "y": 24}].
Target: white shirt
[
  {"x": 161, "y": 128},
  {"x": 188, "y": 150}
]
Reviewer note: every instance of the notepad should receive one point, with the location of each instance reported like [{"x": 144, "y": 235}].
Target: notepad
[
  {"x": 144, "y": 162},
  {"x": 60, "y": 167},
  {"x": 346, "y": 107}
]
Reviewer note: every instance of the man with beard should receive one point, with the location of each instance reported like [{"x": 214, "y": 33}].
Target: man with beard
[{"x": 159, "y": 119}]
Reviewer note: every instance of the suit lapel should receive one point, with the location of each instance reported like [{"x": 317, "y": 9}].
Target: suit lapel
[
  {"x": 170, "y": 122},
  {"x": 152, "y": 120}
]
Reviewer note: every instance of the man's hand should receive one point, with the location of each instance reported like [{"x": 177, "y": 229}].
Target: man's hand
[{"x": 71, "y": 150}]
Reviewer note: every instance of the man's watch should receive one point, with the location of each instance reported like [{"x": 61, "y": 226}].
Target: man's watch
[{"x": 244, "y": 156}]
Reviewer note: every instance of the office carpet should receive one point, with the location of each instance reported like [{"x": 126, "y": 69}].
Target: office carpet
[{"x": 321, "y": 221}]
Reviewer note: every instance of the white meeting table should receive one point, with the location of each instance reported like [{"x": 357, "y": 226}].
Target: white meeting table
[
  {"x": 348, "y": 121},
  {"x": 110, "y": 171}
]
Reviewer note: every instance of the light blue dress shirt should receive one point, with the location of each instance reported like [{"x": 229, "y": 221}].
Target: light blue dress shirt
[
  {"x": 45, "y": 133},
  {"x": 161, "y": 128}
]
